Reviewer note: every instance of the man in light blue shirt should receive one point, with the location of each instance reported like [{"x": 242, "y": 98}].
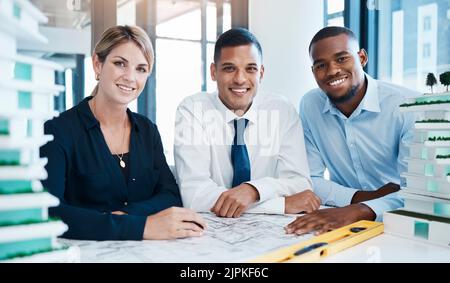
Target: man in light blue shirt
[{"x": 353, "y": 128}]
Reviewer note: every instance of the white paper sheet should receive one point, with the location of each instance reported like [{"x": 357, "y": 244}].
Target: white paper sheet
[{"x": 225, "y": 240}]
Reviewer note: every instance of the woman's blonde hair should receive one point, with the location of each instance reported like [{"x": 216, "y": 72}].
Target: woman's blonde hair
[{"x": 117, "y": 35}]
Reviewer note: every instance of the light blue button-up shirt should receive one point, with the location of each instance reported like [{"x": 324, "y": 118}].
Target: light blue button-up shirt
[{"x": 362, "y": 152}]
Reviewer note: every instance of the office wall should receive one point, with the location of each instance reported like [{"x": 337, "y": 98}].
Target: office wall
[
  {"x": 285, "y": 29},
  {"x": 63, "y": 41}
]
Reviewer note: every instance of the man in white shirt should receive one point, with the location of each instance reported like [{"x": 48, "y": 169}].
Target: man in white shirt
[{"x": 236, "y": 152}]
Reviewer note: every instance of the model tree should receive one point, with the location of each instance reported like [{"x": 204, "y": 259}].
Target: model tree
[
  {"x": 444, "y": 78},
  {"x": 431, "y": 81}
]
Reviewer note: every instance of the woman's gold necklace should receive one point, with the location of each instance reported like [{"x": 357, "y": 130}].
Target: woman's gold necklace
[
  {"x": 122, "y": 163},
  {"x": 120, "y": 156}
]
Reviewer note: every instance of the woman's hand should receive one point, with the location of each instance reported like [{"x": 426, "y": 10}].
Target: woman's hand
[{"x": 174, "y": 223}]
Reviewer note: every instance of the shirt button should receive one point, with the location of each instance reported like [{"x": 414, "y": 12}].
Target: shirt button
[
  {"x": 133, "y": 180},
  {"x": 125, "y": 203}
]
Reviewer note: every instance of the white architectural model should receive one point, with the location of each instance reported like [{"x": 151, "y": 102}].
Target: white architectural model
[
  {"x": 27, "y": 90},
  {"x": 426, "y": 215}
]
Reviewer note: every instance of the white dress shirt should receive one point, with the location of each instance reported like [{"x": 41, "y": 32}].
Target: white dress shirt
[{"x": 204, "y": 134}]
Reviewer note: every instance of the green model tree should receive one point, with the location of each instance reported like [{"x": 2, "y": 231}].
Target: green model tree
[
  {"x": 431, "y": 81},
  {"x": 444, "y": 78}
]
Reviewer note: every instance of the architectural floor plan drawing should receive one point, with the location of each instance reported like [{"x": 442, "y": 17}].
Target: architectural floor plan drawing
[{"x": 225, "y": 240}]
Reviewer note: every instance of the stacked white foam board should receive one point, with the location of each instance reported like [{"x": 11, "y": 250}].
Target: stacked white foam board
[
  {"x": 27, "y": 90},
  {"x": 426, "y": 215}
]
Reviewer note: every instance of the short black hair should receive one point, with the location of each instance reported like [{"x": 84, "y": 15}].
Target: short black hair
[
  {"x": 235, "y": 37},
  {"x": 330, "y": 32}
]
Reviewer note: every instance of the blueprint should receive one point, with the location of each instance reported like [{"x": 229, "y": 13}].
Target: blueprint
[{"x": 225, "y": 240}]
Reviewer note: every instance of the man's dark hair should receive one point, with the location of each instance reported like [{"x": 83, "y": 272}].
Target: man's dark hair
[
  {"x": 235, "y": 37},
  {"x": 330, "y": 32}
]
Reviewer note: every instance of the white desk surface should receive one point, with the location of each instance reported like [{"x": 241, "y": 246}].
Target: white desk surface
[
  {"x": 387, "y": 248},
  {"x": 236, "y": 239}
]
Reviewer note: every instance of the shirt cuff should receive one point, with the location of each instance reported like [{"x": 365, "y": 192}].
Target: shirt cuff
[
  {"x": 381, "y": 205},
  {"x": 265, "y": 192},
  {"x": 343, "y": 197},
  {"x": 375, "y": 206},
  {"x": 331, "y": 193},
  {"x": 133, "y": 230}
]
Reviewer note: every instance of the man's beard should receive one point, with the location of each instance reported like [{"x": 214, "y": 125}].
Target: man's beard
[{"x": 347, "y": 97}]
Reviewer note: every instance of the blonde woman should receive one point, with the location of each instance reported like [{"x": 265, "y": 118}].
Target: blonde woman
[{"x": 106, "y": 164}]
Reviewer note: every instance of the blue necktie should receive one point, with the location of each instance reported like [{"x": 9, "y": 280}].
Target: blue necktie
[{"x": 239, "y": 154}]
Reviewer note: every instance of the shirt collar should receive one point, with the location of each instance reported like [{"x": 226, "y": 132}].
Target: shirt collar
[
  {"x": 328, "y": 105},
  {"x": 251, "y": 115},
  {"x": 370, "y": 102},
  {"x": 88, "y": 119}
]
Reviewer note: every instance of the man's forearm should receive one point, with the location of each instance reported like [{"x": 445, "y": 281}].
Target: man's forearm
[{"x": 362, "y": 196}]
